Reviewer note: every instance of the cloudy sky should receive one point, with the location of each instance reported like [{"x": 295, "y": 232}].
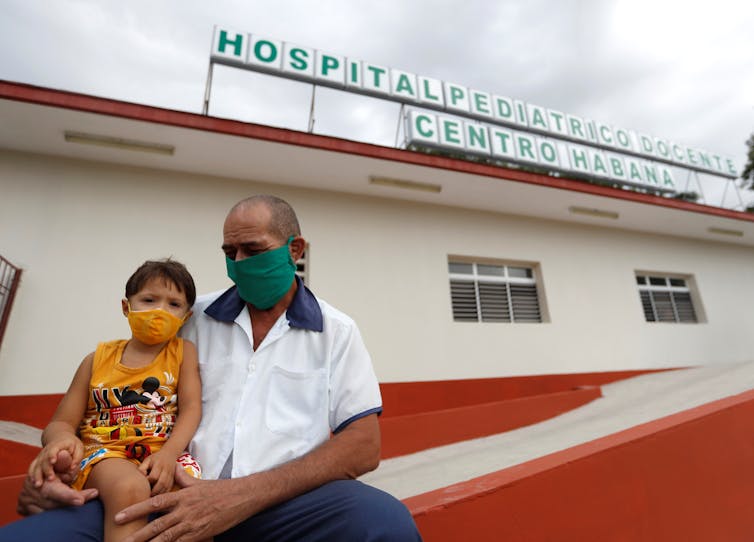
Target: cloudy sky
[{"x": 682, "y": 70}]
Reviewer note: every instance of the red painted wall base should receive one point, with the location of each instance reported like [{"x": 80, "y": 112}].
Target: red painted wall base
[
  {"x": 688, "y": 477},
  {"x": 402, "y": 398},
  {"x": 415, "y": 432},
  {"x": 9, "y": 489}
]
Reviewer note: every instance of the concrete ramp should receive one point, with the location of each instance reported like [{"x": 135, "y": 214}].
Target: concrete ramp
[{"x": 663, "y": 456}]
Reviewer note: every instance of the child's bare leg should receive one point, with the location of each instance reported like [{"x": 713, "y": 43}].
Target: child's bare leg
[{"x": 120, "y": 484}]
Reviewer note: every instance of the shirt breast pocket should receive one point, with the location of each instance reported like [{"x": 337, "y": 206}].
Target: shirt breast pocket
[{"x": 296, "y": 403}]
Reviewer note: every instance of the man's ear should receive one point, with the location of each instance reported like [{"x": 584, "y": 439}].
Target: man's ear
[
  {"x": 124, "y": 306},
  {"x": 298, "y": 245}
]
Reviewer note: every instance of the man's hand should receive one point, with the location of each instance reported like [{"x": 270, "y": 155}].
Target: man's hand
[
  {"x": 202, "y": 509},
  {"x": 53, "y": 493}
]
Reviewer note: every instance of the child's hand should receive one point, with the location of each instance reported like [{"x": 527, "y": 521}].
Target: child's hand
[
  {"x": 159, "y": 468},
  {"x": 43, "y": 466}
]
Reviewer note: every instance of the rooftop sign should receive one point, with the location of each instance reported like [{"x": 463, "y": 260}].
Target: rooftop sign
[{"x": 498, "y": 126}]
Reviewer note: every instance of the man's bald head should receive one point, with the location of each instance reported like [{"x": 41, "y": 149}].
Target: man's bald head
[{"x": 283, "y": 220}]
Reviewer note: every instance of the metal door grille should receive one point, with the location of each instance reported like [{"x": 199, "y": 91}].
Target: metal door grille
[{"x": 10, "y": 277}]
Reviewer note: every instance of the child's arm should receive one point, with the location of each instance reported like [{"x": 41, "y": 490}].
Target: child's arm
[
  {"x": 160, "y": 466},
  {"x": 60, "y": 433}
]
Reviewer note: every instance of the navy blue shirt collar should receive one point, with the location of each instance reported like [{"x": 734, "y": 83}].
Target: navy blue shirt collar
[{"x": 303, "y": 312}]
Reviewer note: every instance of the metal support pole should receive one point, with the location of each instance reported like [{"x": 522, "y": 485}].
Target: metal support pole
[
  {"x": 398, "y": 128},
  {"x": 701, "y": 190},
  {"x": 738, "y": 192},
  {"x": 207, "y": 89},
  {"x": 688, "y": 180},
  {"x": 698, "y": 184},
  {"x": 725, "y": 192},
  {"x": 311, "y": 109}
]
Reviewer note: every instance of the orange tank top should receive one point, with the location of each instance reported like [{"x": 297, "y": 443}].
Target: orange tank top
[{"x": 131, "y": 404}]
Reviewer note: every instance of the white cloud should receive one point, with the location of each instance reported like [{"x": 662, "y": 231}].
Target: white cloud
[{"x": 680, "y": 70}]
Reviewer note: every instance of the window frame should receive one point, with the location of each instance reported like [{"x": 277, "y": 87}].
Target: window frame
[
  {"x": 475, "y": 278},
  {"x": 673, "y": 291}
]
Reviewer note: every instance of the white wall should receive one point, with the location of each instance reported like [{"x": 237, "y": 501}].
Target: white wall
[{"x": 79, "y": 229}]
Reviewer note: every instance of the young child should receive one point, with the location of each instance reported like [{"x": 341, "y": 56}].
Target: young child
[{"x": 125, "y": 398}]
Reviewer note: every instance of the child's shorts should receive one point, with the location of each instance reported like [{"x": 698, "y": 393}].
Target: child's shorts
[{"x": 134, "y": 452}]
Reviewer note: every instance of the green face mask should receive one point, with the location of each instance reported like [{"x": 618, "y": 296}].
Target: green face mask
[{"x": 264, "y": 279}]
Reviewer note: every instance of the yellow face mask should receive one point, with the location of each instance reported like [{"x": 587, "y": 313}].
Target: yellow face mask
[{"x": 154, "y": 326}]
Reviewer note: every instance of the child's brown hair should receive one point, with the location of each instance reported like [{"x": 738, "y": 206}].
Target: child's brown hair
[{"x": 166, "y": 269}]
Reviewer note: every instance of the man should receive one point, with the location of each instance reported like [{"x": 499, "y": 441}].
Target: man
[{"x": 281, "y": 371}]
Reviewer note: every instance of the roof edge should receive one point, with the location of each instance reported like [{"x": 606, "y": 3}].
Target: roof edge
[{"x": 23, "y": 92}]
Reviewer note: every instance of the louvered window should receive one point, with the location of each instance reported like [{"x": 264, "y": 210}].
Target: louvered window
[
  {"x": 665, "y": 299},
  {"x": 493, "y": 293}
]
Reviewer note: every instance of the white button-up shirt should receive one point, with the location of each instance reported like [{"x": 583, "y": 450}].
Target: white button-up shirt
[{"x": 310, "y": 376}]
